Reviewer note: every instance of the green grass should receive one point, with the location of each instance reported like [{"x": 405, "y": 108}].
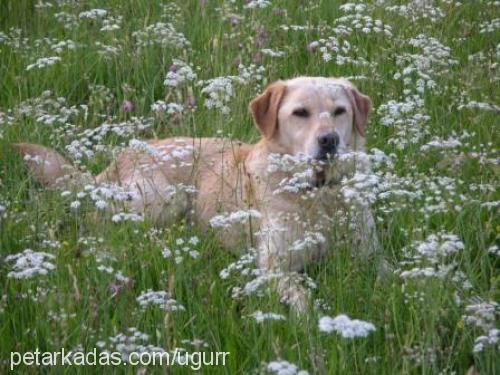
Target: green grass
[{"x": 74, "y": 306}]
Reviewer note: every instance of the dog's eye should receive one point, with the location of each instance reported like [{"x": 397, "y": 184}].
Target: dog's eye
[
  {"x": 339, "y": 111},
  {"x": 301, "y": 112}
]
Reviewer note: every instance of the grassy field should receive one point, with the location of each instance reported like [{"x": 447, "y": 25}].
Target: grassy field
[{"x": 87, "y": 77}]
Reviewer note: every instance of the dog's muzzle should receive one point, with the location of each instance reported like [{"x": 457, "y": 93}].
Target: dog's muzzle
[{"x": 328, "y": 144}]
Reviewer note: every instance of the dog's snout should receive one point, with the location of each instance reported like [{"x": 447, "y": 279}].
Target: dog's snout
[{"x": 328, "y": 141}]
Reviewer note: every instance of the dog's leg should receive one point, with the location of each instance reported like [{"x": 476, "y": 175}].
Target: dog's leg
[
  {"x": 275, "y": 257},
  {"x": 365, "y": 230},
  {"x": 367, "y": 241},
  {"x": 292, "y": 292}
]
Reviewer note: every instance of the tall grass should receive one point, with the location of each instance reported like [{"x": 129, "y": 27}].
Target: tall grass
[{"x": 420, "y": 324}]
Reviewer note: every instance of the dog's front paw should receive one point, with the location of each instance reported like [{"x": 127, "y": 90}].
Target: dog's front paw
[{"x": 293, "y": 294}]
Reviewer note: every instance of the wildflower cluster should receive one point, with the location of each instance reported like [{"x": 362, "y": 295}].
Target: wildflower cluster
[
  {"x": 28, "y": 264},
  {"x": 93, "y": 81},
  {"x": 346, "y": 327},
  {"x": 161, "y": 34},
  {"x": 184, "y": 247},
  {"x": 433, "y": 257},
  {"x": 484, "y": 316},
  {"x": 159, "y": 299}
]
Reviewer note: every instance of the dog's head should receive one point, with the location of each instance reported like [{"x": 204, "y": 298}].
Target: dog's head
[
  {"x": 312, "y": 116},
  {"x": 315, "y": 116}
]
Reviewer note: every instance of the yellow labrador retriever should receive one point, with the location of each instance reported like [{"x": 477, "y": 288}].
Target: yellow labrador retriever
[{"x": 277, "y": 195}]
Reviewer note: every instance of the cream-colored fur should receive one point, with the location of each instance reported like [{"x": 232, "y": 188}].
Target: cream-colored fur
[{"x": 231, "y": 176}]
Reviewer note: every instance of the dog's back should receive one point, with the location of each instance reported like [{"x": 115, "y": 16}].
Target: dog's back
[{"x": 166, "y": 179}]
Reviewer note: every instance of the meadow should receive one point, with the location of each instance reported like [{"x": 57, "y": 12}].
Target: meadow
[{"x": 88, "y": 78}]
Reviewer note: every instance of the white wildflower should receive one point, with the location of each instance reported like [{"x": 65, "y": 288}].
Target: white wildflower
[
  {"x": 346, "y": 327},
  {"x": 134, "y": 341},
  {"x": 219, "y": 92},
  {"x": 482, "y": 314},
  {"x": 489, "y": 26},
  {"x": 111, "y": 24},
  {"x": 101, "y": 204},
  {"x": 105, "y": 269},
  {"x": 493, "y": 249},
  {"x": 257, "y": 4},
  {"x": 226, "y": 220},
  {"x": 182, "y": 73},
  {"x": 194, "y": 240},
  {"x": 168, "y": 108},
  {"x": 44, "y": 62},
  {"x": 163, "y": 34},
  {"x": 360, "y": 189},
  {"x": 123, "y": 216},
  {"x": 93, "y": 14},
  {"x": 241, "y": 266},
  {"x": 75, "y": 205},
  {"x": 492, "y": 338},
  {"x": 260, "y": 317},
  {"x": 63, "y": 44},
  {"x": 272, "y": 53},
  {"x": 282, "y": 367},
  {"x": 160, "y": 299},
  {"x": 286, "y": 162},
  {"x": 310, "y": 240},
  {"x": 142, "y": 146},
  {"x": 435, "y": 247},
  {"x": 480, "y": 105},
  {"x": 441, "y": 143},
  {"x": 29, "y": 263}
]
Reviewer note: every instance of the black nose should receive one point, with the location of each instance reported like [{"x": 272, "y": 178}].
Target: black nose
[{"x": 328, "y": 142}]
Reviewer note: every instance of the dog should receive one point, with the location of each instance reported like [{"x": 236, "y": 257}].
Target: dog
[{"x": 285, "y": 213}]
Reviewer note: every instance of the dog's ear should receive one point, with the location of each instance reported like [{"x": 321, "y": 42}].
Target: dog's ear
[
  {"x": 361, "y": 105},
  {"x": 265, "y": 108}
]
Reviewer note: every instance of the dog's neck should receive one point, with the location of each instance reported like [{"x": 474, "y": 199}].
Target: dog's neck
[
  {"x": 258, "y": 165},
  {"x": 357, "y": 142},
  {"x": 257, "y": 159}
]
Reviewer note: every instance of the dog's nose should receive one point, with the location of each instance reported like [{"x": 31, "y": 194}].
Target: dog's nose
[{"x": 328, "y": 142}]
